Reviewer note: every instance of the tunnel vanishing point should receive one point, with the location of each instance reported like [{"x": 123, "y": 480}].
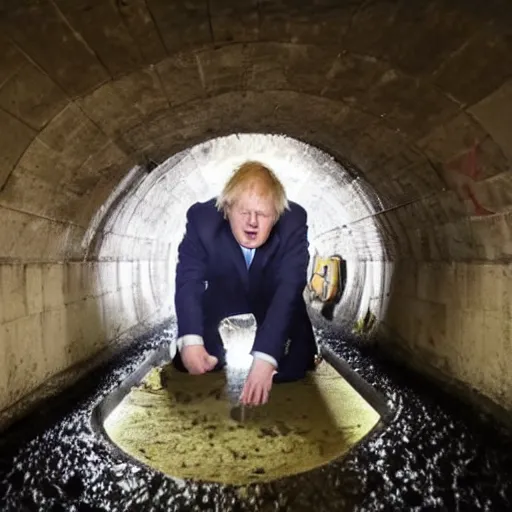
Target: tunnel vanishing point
[{"x": 412, "y": 98}]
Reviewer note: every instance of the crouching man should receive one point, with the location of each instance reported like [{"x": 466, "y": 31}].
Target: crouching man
[{"x": 246, "y": 251}]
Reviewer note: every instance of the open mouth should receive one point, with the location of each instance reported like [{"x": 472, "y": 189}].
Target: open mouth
[{"x": 251, "y": 235}]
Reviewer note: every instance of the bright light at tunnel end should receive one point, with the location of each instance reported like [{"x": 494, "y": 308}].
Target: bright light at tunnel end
[{"x": 340, "y": 208}]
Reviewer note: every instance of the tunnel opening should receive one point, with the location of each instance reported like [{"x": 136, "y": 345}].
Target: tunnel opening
[
  {"x": 341, "y": 217},
  {"x": 346, "y": 253}
]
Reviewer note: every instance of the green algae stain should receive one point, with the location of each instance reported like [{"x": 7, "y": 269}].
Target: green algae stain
[{"x": 183, "y": 425}]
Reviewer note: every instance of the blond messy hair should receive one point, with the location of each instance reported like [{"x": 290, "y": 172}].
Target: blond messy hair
[{"x": 249, "y": 175}]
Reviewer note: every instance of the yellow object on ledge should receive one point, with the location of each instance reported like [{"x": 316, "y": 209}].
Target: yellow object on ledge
[{"x": 325, "y": 281}]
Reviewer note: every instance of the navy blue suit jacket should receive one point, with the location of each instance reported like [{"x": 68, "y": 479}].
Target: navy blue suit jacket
[{"x": 271, "y": 288}]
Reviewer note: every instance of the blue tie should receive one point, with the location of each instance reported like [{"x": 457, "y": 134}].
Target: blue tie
[{"x": 248, "y": 255}]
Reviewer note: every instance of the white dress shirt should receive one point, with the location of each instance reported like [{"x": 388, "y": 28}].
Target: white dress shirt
[{"x": 195, "y": 339}]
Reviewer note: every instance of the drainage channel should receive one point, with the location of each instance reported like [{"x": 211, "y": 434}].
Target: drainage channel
[{"x": 183, "y": 426}]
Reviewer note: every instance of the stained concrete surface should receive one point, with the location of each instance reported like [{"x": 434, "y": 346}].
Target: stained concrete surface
[
  {"x": 90, "y": 89},
  {"x": 435, "y": 455},
  {"x": 183, "y": 425}
]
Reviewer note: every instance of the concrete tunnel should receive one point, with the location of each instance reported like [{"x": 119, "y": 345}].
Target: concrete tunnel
[{"x": 389, "y": 120}]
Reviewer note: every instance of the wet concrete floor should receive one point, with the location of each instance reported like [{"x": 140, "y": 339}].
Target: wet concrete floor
[
  {"x": 184, "y": 426},
  {"x": 434, "y": 455}
]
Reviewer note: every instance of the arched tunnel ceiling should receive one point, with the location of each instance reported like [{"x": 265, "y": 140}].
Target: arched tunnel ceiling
[
  {"x": 398, "y": 90},
  {"x": 415, "y": 98},
  {"x": 157, "y": 201}
]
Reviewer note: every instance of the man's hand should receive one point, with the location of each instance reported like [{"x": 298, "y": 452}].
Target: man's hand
[
  {"x": 258, "y": 383},
  {"x": 197, "y": 360}
]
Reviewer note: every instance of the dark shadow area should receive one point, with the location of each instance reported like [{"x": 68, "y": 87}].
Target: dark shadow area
[
  {"x": 58, "y": 461},
  {"x": 51, "y": 410}
]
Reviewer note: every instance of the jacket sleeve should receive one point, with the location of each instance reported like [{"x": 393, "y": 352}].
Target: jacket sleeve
[
  {"x": 190, "y": 281},
  {"x": 273, "y": 332}
]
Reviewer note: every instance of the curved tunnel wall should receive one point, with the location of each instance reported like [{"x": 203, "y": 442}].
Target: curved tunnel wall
[
  {"x": 156, "y": 202},
  {"x": 415, "y": 96}
]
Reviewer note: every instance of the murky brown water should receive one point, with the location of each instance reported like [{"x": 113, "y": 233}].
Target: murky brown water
[{"x": 183, "y": 425}]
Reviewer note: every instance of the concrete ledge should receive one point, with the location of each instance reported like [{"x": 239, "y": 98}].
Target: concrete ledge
[
  {"x": 367, "y": 391},
  {"x": 112, "y": 400},
  {"x": 70, "y": 376},
  {"x": 392, "y": 346}
]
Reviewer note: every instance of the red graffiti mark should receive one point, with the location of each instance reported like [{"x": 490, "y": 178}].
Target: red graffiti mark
[
  {"x": 466, "y": 165},
  {"x": 479, "y": 209}
]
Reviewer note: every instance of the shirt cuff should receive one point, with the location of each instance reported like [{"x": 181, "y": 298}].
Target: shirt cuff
[
  {"x": 184, "y": 341},
  {"x": 265, "y": 357},
  {"x": 189, "y": 339}
]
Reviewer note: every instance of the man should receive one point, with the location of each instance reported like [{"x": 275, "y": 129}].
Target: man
[{"x": 246, "y": 252}]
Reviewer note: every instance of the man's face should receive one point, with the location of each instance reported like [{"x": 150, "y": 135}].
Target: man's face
[{"x": 251, "y": 218}]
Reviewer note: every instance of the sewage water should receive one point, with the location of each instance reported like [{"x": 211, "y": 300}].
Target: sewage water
[{"x": 183, "y": 425}]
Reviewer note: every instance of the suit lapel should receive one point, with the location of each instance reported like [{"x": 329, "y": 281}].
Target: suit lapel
[
  {"x": 261, "y": 256},
  {"x": 235, "y": 253},
  {"x": 264, "y": 253}
]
